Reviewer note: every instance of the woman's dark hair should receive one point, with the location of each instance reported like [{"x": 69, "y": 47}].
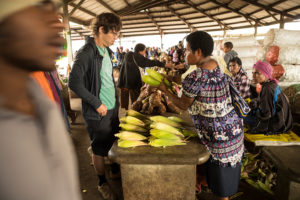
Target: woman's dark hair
[
  {"x": 109, "y": 22},
  {"x": 139, "y": 47},
  {"x": 201, "y": 40},
  {"x": 237, "y": 60},
  {"x": 229, "y": 45}
]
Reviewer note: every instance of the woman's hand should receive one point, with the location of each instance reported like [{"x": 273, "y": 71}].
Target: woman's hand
[
  {"x": 162, "y": 87},
  {"x": 169, "y": 65}
]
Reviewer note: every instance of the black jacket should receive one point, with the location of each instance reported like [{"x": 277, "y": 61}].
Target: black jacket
[
  {"x": 85, "y": 78},
  {"x": 267, "y": 121},
  {"x": 130, "y": 76}
]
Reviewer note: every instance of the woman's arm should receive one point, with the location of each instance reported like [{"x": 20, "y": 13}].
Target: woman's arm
[{"x": 182, "y": 102}]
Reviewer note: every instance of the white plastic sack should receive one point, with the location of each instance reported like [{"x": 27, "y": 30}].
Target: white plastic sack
[
  {"x": 289, "y": 55},
  {"x": 248, "y": 51},
  {"x": 242, "y": 41},
  {"x": 281, "y": 37},
  {"x": 248, "y": 62},
  {"x": 291, "y": 74}
]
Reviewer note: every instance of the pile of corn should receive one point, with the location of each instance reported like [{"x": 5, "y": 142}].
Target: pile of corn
[
  {"x": 258, "y": 172},
  {"x": 156, "y": 131}
]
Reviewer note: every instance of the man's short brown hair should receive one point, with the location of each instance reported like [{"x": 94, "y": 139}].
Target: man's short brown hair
[{"x": 109, "y": 22}]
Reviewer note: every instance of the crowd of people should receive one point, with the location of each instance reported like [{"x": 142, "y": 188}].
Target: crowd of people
[{"x": 38, "y": 159}]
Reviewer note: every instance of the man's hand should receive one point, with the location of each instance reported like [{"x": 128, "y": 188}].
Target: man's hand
[
  {"x": 169, "y": 65},
  {"x": 102, "y": 110},
  {"x": 180, "y": 66}
]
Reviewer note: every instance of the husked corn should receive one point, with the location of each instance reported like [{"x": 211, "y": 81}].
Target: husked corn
[
  {"x": 166, "y": 127},
  {"x": 133, "y": 120},
  {"x": 165, "y": 120},
  {"x": 127, "y": 135},
  {"x": 127, "y": 143}
]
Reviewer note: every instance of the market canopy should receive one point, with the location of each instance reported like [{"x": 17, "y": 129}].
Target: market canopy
[{"x": 159, "y": 17}]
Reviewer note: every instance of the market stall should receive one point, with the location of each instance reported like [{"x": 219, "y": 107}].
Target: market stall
[{"x": 160, "y": 173}]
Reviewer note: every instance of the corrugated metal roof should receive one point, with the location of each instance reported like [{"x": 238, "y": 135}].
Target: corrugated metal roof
[{"x": 177, "y": 16}]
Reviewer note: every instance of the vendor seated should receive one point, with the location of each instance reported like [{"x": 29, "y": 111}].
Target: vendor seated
[
  {"x": 271, "y": 113},
  {"x": 240, "y": 78}
]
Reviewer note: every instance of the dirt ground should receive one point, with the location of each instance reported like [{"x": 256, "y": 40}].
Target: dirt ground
[{"x": 88, "y": 179}]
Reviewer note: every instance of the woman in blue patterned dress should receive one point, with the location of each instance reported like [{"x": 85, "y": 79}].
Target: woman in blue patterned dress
[{"x": 207, "y": 96}]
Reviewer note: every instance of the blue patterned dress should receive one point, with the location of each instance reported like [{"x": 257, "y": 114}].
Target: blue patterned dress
[{"x": 218, "y": 126}]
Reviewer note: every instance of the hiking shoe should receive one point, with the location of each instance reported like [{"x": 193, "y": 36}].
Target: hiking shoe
[{"x": 106, "y": 192}]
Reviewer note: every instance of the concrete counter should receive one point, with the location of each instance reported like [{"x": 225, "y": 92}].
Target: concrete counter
[{"x": 153, "y": 173}]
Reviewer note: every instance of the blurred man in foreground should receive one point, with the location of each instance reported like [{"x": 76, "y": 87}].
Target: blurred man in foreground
[{"x": 37, "y": 157}]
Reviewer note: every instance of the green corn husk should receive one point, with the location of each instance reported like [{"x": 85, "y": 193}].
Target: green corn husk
[
  {"x": 131, "y": 127},
  {"x": 154, "y": 74},
  {"x": 127, "y": 135},
  {"x": 136, "y": 114},
  {"x": 189, "y": 133},
  {"x": 157, "y": 76},
  {"x": 150, "y": 81},
  {"x": 127, "y": 144},
  {"x": 164, "y": 134},
  {"x": 264, "y": 187},
  {"x": 151, "y": 138},
  {"x": 165, "y": 143},
  {"x": 166, "y": 127},
  {"x": 165, "y": 120},
  {"x": 177, "y": 119},
  {"x": 252, "y": 183},
  {"x": 133, "y": 120}
]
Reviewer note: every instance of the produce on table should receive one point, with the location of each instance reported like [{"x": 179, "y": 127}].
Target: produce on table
[
  {"x": 165, "y": 120},
  {"x": 160, "y": 131},
  {"x": 133, "y": 120},
  {"x": 131, "y": 127},
  {"x": 130, "y": 143},
  {"x": 166, "y": 127},
  {"x": 165, "y": 142},
  {"x": 127, "y": 135},
  {"x": 164, "y": 134},
  {"x": 153, "y": 101}
]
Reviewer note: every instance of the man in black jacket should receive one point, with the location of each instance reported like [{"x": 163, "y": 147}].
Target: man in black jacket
[
  {"x": 91, "y": 79},
  {"x": 130, "y": 80}
]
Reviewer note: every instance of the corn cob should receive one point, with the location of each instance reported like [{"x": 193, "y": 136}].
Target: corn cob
[
  {"x": 165, "y": 120},
  {"x": 154, "y": 74},
  {"x": 177, "y": 119},
  {"x": 136, "y": 114},
  {"x": 166, "y": 127},
  {"x": 127, "y": 144},
  {"x": 131, "y": 127},
  {"x": 133, "y": 120},
  {"x": 164, "y": 134},
  {"x": 151, "y": 138},
  {"x": 165, "y": 143},
  {"x": 189, "y": 133},
  {"x": 157, "y": 76},
  {"x": 151, "y": 81},
  {"x": 127, "y": 135}
]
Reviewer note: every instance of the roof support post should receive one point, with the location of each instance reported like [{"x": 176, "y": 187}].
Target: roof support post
[
  {"x": 161, "y": 41},
  {"x": 281, "y": 21},
  {"x": 67, "y": 32},
  {"x": 255, "y": 29}
]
